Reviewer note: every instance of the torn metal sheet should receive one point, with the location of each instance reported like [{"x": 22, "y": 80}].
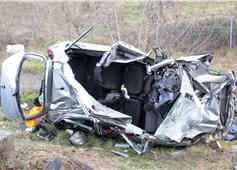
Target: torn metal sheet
[{"x": 121, "y": 91}]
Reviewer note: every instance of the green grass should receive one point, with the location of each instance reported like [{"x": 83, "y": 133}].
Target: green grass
[
  {"x": 28, "y": 97},
  {"x": 134, "y": 17},
  {"x": 33, "y": 66},
  {"x": 203, "y": 9},
  {"x": 7, "y": 123}
]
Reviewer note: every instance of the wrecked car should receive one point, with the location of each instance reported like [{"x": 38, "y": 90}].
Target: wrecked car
[{"x": 120, "y": 90}]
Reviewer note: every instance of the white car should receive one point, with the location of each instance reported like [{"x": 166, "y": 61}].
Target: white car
[{"x": 120, "y": 90}]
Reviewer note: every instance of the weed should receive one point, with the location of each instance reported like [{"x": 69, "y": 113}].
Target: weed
[
  {"x": 28, "y": 97},
  {"x": 62, "y": 138}
]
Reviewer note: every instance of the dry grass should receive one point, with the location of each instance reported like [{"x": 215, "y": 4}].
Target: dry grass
[{"x": 225, "y": 59}]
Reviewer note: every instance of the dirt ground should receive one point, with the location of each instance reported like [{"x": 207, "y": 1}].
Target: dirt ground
[
  {"x": 29, "y": 81},
  {"x": 42, "y": 158},
  {"x": 34, "y": 153}
]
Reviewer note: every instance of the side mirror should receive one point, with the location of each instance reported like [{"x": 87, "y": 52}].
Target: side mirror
[{"x": 160, "y": 55}]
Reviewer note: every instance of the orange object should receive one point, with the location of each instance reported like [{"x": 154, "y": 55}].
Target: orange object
[{"x": 33, "y": 111}]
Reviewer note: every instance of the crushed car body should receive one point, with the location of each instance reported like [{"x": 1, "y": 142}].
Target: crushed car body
[{"x": 120, "y": 90}]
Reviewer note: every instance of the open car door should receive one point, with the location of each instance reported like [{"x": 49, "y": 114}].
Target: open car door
[{"x": 10, "y": 98}]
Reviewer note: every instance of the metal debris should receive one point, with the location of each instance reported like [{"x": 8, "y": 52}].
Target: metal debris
[
  {"x": 121, "y": 145},
  {"x": 230, "y": 137},
  {"x": 120, "y": 153},
  {"x": 79, "y": 163},
  {"x": 83, "y": 149},
  {"x": 232, "y": 134},
  {"x": 78, "y": 138},
  {"x": 48, "y": 136},
  {"x": 98, "y": 148}
]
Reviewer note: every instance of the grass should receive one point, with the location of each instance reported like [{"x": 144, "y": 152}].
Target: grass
[
  {"x": 207, "y": 8},
  {"x": 7, "y": 123},
  {"x": 28, "y": 97},
  {"x": 224, "y": 59},
  {"x": 33, "y": 66}
]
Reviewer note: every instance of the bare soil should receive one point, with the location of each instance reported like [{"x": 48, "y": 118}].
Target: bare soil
[{"x": 29, "y": 81}]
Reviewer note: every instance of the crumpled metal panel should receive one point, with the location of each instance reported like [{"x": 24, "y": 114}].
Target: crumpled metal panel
[
  {"x": 197, "y": 109},
  {"x": 188, "y": 117},
  {"x": 63, "y": 100}
]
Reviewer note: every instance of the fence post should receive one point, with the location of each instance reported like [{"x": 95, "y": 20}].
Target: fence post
[
  {"x": 231, "y": 31},
  {"x": 157, "y": 32},
  {"x": 91, "y": 23},
  {"x": 34, "y": 24}
]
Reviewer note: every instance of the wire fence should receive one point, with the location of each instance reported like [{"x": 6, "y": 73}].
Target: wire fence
[
  {"x": 47, "y": 23},
  {"x": 226, "y": 33}
]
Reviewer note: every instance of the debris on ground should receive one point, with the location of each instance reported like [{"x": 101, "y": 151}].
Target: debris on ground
[
  {"x": 121, "y": 145},
  {"x": 98, "y": 148},
  {"x": 83, "y": 149},
  {"x": 24, "y": 106},
  {"x": 48, "y": 136},
  {"x": 216, "y": 145},
  {"x": 69, "y": 131},
  {"x": 80, "y": 164},
  {"x": 78, "y": 138},
  {"x": 120, "y": 153},
  {"x": 54, "y": 164},
  {"x": 232, "y": 133}
]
